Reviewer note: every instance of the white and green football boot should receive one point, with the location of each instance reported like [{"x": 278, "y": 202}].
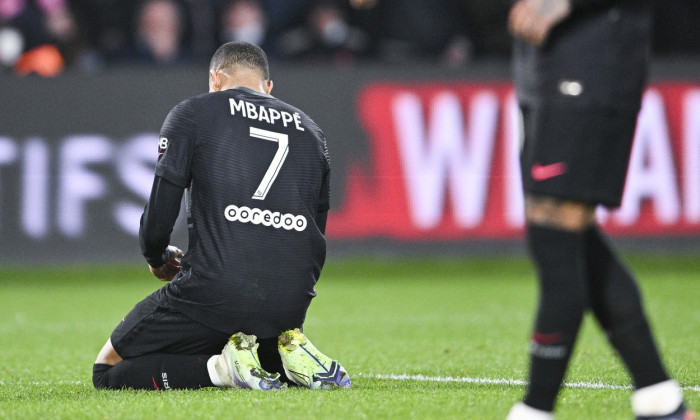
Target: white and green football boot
[
  {"x": 308, "y": 367},
  {"x": 238, "y": 365}
]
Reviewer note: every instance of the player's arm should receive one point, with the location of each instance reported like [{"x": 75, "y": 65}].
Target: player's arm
[
  {"x": 533, "y": 20},
  {"x": 157, "y": 224},
  {"x": 175, "y": 149}
]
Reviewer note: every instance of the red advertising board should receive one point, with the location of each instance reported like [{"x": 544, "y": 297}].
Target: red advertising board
[{"x": 443, "y": 165}]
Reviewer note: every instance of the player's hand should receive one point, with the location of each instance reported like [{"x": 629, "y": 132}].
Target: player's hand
[
  {"x": 167, "y": 271},
  {"x": 532, "y": 20}
]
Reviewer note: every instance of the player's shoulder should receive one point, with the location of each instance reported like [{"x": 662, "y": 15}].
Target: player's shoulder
[
  {"x": 196, "y": 105},
  {"x": 196, "y": 100},
  {"x": 187, "y": 105},
  {"x": 308, "y": 121}
]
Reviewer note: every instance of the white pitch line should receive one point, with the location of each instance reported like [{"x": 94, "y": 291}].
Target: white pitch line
[
  {"x": 497, "y": 381},
  {"x": 423, "y": 378},
  {"x": 405, "y": 377}
]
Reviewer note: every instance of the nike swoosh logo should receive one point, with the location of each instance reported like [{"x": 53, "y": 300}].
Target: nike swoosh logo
[{"x": 543, "y": 172}]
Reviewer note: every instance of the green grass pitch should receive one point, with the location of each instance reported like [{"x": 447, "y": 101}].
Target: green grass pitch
[{"x": 428, "y": 339}]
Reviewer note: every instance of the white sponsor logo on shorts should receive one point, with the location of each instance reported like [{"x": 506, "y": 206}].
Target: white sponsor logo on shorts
[
  {"x": 256, "y": 216},
  {"x": 166, "y": 384}
]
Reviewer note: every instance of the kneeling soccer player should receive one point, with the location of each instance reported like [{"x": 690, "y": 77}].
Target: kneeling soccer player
[{"x": 256, "y": 172}]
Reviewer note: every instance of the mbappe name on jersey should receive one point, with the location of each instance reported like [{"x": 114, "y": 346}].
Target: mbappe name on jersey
[{"x": 262, "y": 113}]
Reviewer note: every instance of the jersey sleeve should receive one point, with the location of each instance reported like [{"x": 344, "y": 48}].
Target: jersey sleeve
[
  {"x": 176, "y": 144},
  {"x": 158, "y": 220}
]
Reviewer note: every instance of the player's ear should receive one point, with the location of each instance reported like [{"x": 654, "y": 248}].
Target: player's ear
[
  {"x": 268, "y": 86},
  {"x": 214, "y": 82}
]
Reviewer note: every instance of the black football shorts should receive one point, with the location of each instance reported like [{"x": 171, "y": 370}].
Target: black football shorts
[
  {"x": 153, "y": 326},
  {"x": 576, "y": 152}
]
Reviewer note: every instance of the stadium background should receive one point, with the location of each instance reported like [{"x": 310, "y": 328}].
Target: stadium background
[
  {"x": 424, "y": 160},
  {"x": 420, "y": 122}
]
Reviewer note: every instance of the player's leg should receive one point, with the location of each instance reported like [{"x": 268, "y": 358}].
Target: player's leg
[
  {"x": 237, "y": 366},
  {"x": 556, "y": 243},
  {"x": 617, "y": 304},
  {"x": 306, "y": 366},
  {"x": 558, "y": 182},
  {"x": 155, "y": 372},
  {"x": 156, "y": 347},
  {"x": 615, "y": 298}
]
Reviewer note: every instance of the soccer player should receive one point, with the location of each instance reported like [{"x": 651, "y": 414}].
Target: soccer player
[
  {"x": 255, "y": 174},
  {"x": 580, "y": 67}
]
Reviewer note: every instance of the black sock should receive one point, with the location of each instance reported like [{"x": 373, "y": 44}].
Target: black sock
[
  {"x": 559, "y": 258},
  {"x": 155, "y": 372},
  {"x": 617, "y": 304}
]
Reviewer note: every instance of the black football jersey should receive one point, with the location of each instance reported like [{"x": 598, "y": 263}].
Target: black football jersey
[{"x": 257, "y": 174}]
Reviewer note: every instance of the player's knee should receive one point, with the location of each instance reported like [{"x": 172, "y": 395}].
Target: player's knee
[{"x": 559, "y": 214}]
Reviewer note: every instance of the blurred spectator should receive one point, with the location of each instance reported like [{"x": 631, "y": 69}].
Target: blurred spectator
[
  {"x": 200, "y": 31},
  {"x": 243, "y": 21},
  {"x": 50, "y": 34},
  {"x": 409, "y": 30},
  {"x": 283, "y": 15},
  {"x": 108, "y": 29},
  {"x": 325, "y": 34},
  {"x": 35, "y": 35},
  {"x": 105, "y": 30},
  {"x": 158, "y": 37},
  {"x": 486, "y": 20}
]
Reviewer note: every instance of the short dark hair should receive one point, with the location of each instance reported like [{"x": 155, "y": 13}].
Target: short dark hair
[{"x": 240, "y": 54}]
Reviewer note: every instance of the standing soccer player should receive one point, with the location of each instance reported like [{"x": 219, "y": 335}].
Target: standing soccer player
[
  {"x": 256, "y": 175},
  {"x": 580, "y": 68}
]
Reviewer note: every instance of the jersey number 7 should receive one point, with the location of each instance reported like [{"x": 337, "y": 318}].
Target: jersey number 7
[{"x": 282, "y": 141}]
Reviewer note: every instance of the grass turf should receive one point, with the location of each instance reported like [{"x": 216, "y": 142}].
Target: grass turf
[{"x": 441, "y": 319}]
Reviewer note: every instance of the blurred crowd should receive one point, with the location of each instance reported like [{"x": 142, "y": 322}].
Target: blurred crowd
[{"x": 46, "y": 36}]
